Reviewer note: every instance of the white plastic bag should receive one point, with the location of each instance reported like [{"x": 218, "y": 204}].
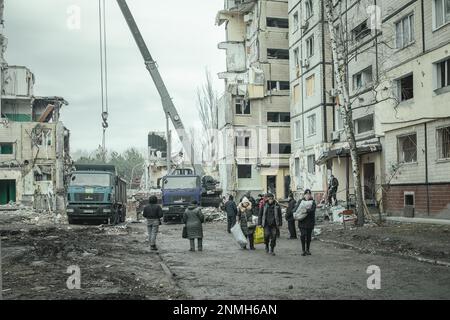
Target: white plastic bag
[
  {"x": 238, "y": 235},
  {"x": 301, "y": 213}
]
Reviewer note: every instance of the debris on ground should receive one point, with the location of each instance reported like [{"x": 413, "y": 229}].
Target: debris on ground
[{"x": 214, "y": 214}]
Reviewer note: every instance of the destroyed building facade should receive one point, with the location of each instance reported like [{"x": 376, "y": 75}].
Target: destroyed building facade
[
  {"x": 34, "y": 144},
  {"x": 254, "y": 115},
  {"x": 401, "y": 50}
]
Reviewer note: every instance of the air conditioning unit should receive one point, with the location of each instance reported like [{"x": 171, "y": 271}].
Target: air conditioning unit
[
  {"x": 305, "y": 26},
  {"x": 335, "y": 136},
  {"x": 305, "y": 63}
]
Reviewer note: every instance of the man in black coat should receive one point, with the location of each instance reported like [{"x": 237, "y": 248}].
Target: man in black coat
[
  {"x": 290, "y": 216},
  {"x": 153, "y": 213},
  {"x": 231, "y": 210},
  {"x": 270, "y": 218}
]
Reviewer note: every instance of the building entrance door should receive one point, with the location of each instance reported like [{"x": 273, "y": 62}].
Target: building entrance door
[
  {"x": 369, "y": 183},
  {"x": 272, "y": 185}
]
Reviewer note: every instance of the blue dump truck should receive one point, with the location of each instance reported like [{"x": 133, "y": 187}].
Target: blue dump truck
[
  {"x": 178, "y": 190},
  {"x": 96, "y": 193}
]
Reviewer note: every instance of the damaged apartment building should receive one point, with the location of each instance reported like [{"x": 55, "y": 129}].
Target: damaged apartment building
[
  {"x": 254, "y": 112},
  {"x": 34, "y": 144},
  {"x": 399, "y": 78}
]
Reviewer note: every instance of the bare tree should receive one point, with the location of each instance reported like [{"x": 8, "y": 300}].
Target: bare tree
[
  {"x": 345, "y": 49},
  {"x": 207, "y": 106}
]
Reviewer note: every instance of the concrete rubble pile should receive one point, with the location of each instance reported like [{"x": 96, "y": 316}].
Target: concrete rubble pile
[
  {"x": 31, "y": 216},
  {"x": 214, "y": 214}
]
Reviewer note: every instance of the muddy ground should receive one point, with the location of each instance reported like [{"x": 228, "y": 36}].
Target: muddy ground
[{"x": 116, "y": 263}]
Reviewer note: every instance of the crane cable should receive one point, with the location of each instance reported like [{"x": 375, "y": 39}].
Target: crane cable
[{"x": 103, "y": 71}]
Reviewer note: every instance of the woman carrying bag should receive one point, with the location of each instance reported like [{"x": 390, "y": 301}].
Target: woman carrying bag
[
  {"x": 306, "y": 217},
  {"x": 193, "y": 219},
  {"x": 245, "y": 219}
]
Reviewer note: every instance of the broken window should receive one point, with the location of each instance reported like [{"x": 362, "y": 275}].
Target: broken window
[
  {"x": 407, "y": 148},
  {"x": 278, "y": 54},
  {"x": 409, "y": 198},
  {"x": 443, "y": 143},
  {"x": 244, "y": 171},
  {"x": 278, "y": 23},
  {"x": 312, "y": 164},
  {"x": 361, "y": 31},
  {"x": 242, "y": 106},
  {"x": 310, "y": 47},
  {"x": 243, "y": 140},
  {"x": 278, "y": 117},
  {"x": 312, "y": 125},
  {"x": 278, "y": 85},
  {"x": 281, "y": 148},
  {"x": 297, "y": 128},
  {"x": 310, "y": 82},
  {"x": 308, "y": 9},
  {"x": 6, "y": 148},
  {"x": 443, "y": 74},
  {"x": 406, "y": 88},
  {"x": 364, "y": 124},
  {"x": 363, "y": 79},
  {"x": 296, "y": 21}
]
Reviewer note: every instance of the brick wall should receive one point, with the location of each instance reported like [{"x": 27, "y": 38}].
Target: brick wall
[{"x": 439, "y": 196}]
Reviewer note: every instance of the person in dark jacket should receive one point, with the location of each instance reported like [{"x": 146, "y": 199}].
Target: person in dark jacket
[
  {"x": 306, "y": 226},
  {"x": 270, "y": 218},
  {"x": 231, "y": 209},
  {"x": 153, "y": 213},
  {"x": 193, "y": 219},
  {"x": 290, "y": 216}
]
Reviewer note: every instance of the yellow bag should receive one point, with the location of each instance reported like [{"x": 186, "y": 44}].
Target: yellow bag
[{"x": 258, "y": 236}]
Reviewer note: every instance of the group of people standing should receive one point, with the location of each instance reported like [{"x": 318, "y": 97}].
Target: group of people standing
[
  {"x": 263, "y": 212},
  {"x": 266, "y": 213}
]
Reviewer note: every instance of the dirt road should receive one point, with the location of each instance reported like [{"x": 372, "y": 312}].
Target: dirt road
[{"x": 116, "y": 263}]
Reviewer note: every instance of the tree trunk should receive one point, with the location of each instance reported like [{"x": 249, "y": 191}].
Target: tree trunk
[{"x": 340, "y": 70}]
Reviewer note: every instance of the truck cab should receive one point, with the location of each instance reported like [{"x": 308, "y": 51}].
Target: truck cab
[
  {"x": 178, "y": 190},
  {"x": 96, "y": 192}
]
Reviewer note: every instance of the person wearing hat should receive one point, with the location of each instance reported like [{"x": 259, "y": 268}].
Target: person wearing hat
[
  {"x": 245, "y": 218},
  {"x": 306, "y": 225},
  {"x": 271, "y": 220},
  {"x": 290, "y": 216},
  {"x": 193, "y": 219}
]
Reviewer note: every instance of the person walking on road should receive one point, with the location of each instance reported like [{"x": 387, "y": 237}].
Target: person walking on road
[
  {"x": 271, "y": 220},
  {"x": 193, "y": 219},
  {"x": 232, "y": 211},
  {"x": 245, "y": 218},
  {"x": 306, "y": 226},
  {"x": 290, "y": 216},
  {"x": 153, "y": 213}
]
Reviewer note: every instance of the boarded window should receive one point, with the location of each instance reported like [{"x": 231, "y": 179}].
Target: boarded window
[
  {"x": 244, "y": 171},
  {"x": 310, "y": 82},
  {"x": 443, "y": 143},
  {"x": 282, "y": 148},
  {"x": 407, "y": 148},
  {"x": 297, "y": 130},
  {"x": 312, "y": 164},
  {"x": 6, "y": 148},
  {"x": 242, "y": 141},
  {"x": 297, "y": 167}
]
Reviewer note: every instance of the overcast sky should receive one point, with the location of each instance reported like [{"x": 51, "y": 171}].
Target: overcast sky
[{"x": 181, "y": 36}]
